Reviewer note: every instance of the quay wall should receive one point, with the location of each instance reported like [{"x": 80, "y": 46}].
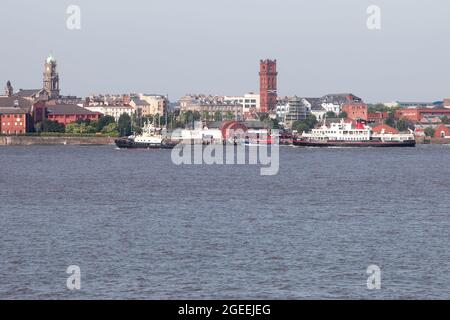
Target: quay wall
[
  {"x": 37, "y": 140},
  {"x": 422, "y": 140}
]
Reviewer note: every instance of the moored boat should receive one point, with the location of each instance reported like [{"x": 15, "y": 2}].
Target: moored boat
[
  {"x": 151, "y": 138},
  {"x": 342, "y": 134}
]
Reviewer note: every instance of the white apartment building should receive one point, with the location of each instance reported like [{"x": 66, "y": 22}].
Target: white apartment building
[
  {"x": 249, "y": 102},
  {"x": 332, "y": 107},
  {"x": 155, "y": 104},
  {"x": 113, "y": 111}
]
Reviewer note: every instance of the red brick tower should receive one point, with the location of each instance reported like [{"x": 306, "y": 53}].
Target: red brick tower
[{"x": 268, "y": 84}]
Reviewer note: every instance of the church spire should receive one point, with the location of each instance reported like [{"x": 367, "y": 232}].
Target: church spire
[
  {"x": 9, "y": 89},
  {"x": 51, "y": 77}
]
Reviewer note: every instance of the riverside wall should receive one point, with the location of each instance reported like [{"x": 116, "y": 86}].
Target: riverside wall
[{"x": 38, "y": 140}]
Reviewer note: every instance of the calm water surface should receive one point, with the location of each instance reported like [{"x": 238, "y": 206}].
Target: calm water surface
[{"x": 140, "y": 227}]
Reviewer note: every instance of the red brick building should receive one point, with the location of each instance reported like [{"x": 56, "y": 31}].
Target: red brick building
[
  {"x": 417, "y": 114},
  {"x": 39, "y": 112},
  {"x": 268, "y": 85},
  {"x": 442, "y": 131},
  {"x": 66, "y": 114},
  {"x": 355, "y": 111},
  {"x": 377, "y": 117},
  {"x": 14, "y": 121}
]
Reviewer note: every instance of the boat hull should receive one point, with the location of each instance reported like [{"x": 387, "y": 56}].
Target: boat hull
[
  {"x": 130, "y": 144},
  {"x": 355, "y": 144}
]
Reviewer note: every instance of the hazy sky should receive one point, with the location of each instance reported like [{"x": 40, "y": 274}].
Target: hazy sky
[{"x": 214, "y": 46}]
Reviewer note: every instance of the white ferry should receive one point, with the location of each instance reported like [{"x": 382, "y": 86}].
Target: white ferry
[{"x": 342, "y": 134}]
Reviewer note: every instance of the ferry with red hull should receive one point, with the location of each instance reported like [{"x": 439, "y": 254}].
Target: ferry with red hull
[{"x": 342, "y": 134}]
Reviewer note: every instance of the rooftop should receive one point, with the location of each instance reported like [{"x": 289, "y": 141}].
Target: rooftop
[
  {"x": 68, "y": 109},
  {"x": 14, "y": 102},
  {"x": 13, "y": 111}
]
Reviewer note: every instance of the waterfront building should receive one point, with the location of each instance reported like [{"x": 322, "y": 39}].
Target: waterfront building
[
  {"x": 311, "y": 103},
  {"x": 154, "y": 104},
  {"x": 355, "y": 111},
  {"x": 14, "y": 121},
  {"x": 114, "y": 111},
  {"x": 211, "y": 105},
  {"x": 335, "y": 102},
  {"x": 293, "y": 110},
  {"x": 420, "y": 105},
  {"x": 107, "y": 99},
  {"x": 139, "y": 106},
  {"x": 416, "y": 114},
  {"x": 268, "y": 85},
  {"x": 66, "y": 114},
  {"x": 377, "y": 117},
  {"x": 14, "y": 102},
  {"x": 442, "y": 131},
  {"x": 314, "y": 106},
  {"x": 35, "y": 111},
  {"x": 250, "y": 103},
  {"x": 33, "y": 95}
]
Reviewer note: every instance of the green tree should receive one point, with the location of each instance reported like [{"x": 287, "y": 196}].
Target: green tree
[
  {"x": 311, "y": 121},
  {"x": 403, "y": 125},
  {"x": 343, "y": 115},
  {"x": 230, "y": 115},
  {"x": 197, "y": 116},
  {"x": 300, "y": 126},
  {"x": 217, "y": 116},
  {"x": 110, "y": 129},
  {"x": 272, "y": 123},
  {"x": 331, "y": 114},
  {"x": 305, "y": 125},
  {"x": 390, "y": 121},
  {"x": 124, "y": 125},
  {"x": 73, "y": 128},
  {"x": 53, "y": 126},
  {"x": 92, "y": 128},
  {"x": 104, "y": 121},
  {"x": 81, "y": 128},
  {"x": 379, "y": 107},
  {"x": 189, "y": 117},
  {"x": 429, "y": 132}
]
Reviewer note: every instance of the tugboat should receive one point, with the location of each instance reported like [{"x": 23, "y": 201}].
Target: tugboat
[
  {"x": 151, "y": 138},
  {"x": 343, "y": 135}
]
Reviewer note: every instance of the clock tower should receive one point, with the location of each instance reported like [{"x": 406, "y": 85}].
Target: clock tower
[
  {"x": 51, "y": 78},
  {"x": 268, "y": 85}
]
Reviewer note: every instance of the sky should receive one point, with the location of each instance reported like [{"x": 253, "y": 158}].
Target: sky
[{"x": 177, "y": 47}]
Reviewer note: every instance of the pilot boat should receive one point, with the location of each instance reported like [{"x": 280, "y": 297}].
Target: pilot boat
[{"x": 151, "y": 138}]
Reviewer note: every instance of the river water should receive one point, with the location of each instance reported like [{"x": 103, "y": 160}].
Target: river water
[{"x": 140, "y": 227}]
